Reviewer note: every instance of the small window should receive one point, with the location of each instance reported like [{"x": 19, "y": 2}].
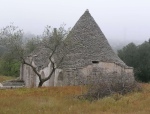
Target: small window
[{"x": 95, "y": 62}]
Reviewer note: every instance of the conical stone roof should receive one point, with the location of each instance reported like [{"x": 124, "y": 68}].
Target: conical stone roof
[{"x": 88, "y": 44}]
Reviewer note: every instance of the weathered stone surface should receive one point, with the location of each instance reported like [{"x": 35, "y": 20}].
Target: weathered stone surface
[
  {"x": 1, "y": 85},
  {"x": 11, "y": 83},
  {"x": 97, "y": 73},
  {"x": 89, "y": 59},
  {"x": 40, "y": 57},
  {"x": 88, "y": 44}
]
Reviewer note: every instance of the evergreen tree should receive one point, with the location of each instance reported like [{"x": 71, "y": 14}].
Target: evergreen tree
[{"x": 139, "y": 58}]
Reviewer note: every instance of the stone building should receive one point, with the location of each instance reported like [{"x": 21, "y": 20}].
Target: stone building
[{"x": 90, "y": 58}]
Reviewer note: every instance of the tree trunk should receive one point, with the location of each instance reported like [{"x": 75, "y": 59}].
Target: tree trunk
[{"x": 40, "y": 83}]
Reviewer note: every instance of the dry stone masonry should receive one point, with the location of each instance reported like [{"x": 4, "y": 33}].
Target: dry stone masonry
[{"x": 89, "y": 58}]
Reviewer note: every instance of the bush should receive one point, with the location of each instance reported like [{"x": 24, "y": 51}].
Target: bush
[
  {"x": 106, "y": 84},
  {"x": 9, "y": 68},
  {"x": 137, "y": 57},
  {"x": 97, "y": 91}
]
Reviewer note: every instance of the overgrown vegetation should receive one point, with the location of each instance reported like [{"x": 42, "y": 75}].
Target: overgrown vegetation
[
  {"x": 60, "y": 100},
  {"x": 107, "y": 84},
  {"x": 101, "y": 90},
  {"x": 139, "y": 58}
]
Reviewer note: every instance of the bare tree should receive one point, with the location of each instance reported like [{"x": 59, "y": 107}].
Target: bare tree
[{"x": 53, "y": 39}]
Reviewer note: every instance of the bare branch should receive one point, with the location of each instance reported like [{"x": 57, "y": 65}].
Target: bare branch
[{"x": 33, "y": 68}]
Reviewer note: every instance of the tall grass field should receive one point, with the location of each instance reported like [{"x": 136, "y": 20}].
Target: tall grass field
[{"x": 62, "y": 100}]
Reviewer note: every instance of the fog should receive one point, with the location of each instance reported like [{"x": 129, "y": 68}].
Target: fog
[{"x": 121, "y": 21}]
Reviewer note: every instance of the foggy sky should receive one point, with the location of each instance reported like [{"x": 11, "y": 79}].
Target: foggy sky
[{"x": 122, "y": 20}]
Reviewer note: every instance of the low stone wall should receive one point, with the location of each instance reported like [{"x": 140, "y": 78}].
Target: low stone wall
[{"x": 11, "y": 87}]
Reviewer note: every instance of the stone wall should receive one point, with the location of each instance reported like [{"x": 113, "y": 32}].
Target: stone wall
[
  {"x": 28, "y": 76},
  {"x": 103, "y": 71},
  {"x": 97, "y": 72},
  {"x": 31, "y": 79}
]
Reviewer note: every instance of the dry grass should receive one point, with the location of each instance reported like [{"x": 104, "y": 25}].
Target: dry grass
[
  {"x": 4, "y": 78},
  {"x": 60, "y": 100}
]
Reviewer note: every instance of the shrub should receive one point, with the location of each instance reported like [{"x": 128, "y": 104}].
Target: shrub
[
  {"x": 97, "y": 91},
  {"x": 9, "y": 68},
  {"x": 106, "y": 84}
]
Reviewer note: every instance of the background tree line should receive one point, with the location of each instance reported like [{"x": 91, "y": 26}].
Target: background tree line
[
  {"x": 11, "y": 37},
  {"x": 138, "y": 57}
]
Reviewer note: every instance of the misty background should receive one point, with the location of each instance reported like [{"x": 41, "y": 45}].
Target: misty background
[{"x": 122, "y": 21}]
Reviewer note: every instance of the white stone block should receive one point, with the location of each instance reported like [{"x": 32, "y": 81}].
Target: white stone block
[{"x": 1, "y": 85}]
